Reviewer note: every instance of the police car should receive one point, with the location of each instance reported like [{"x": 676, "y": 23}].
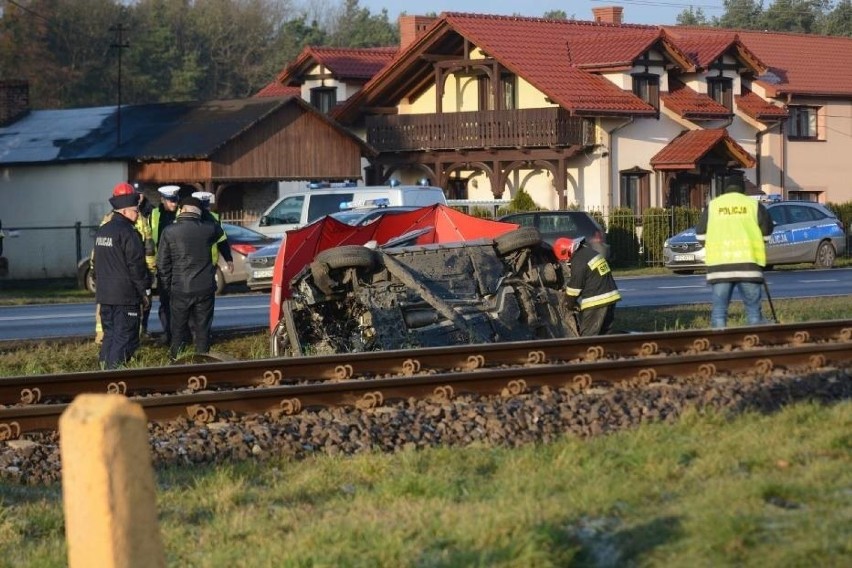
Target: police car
[{"x": 804, "y": 232}]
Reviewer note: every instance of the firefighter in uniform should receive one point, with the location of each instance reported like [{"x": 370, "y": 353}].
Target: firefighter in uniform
[
  {"x": 591, "y": 289},
  {"x": 124, "y": 284},
  {"x": 734, "y": 228},
  {"x": 143, "y": 227},
  {"x": 162, "y": 216},
  {"x": 185, "y": 268}
]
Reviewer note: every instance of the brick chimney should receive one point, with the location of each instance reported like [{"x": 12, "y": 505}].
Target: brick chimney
[
  {"x": 608, "y": 14},
  {"x": 411, "y": 28},
  {"x": 14, "y": 101}
]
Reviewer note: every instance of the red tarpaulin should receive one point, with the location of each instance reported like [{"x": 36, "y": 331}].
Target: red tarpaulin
[{"x": 441, "y": 224}]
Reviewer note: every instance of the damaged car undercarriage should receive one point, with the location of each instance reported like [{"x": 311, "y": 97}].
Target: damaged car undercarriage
[{"x": 354, "y": 298}]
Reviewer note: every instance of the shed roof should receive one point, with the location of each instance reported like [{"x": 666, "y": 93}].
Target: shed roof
[{"x": 164, "y": 131}]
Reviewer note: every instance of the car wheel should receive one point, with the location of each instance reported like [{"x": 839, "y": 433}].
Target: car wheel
[
  {"x": 683, "y": 271},
  {"x": 220, "y": 281},
  {"x": 517, "y": 239},
  {"x": 825, "y": 255},
  {"x": 349, "y": 256},
  {"x": 86, "y": 278}
]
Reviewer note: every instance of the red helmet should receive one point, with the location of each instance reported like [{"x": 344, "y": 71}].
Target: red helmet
[
  {"x": 563, "y": 248},
  {"x": 123, "y": 188}
]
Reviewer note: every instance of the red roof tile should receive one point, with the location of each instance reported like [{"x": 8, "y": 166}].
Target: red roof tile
[
  {"x": 685, "y": 151},
  {"x": 690, "y": 104},
  {"x": 758, "y": 108},
  {"x": 538, "y": 51},
  {"x": 344, "y": 63},
  {"x": 276, "y": 89},
  {"x": 798, "y": 63}
]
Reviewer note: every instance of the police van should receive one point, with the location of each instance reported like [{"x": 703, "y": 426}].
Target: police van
[{"x": 297, "y": 209}]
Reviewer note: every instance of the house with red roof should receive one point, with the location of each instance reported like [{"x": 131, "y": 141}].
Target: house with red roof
[{"x": 598, "y": 114}]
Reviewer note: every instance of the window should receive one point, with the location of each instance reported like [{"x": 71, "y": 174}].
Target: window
[
  {"x": 324, "y": 98},
  {"x": 635, "y": 191},
  {"x": 720, "y": 89},
  {"x": 812, "y": 196},
  {"x": 510, "y": 99},
  {"x": 483, "y": 82},
  {"x": 803, "y": 122},
  {"x": 508, "y": 92},
  {"x": 647, "y": 88}
]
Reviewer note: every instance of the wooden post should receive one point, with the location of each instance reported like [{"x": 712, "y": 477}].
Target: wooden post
[{"x": 108, "y": 485}]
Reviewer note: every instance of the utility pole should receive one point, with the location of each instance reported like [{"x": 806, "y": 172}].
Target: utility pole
[{"x": 119, "y": 44}]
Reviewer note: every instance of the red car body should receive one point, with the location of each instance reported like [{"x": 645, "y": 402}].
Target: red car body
[{"x": 431, "y": 224}]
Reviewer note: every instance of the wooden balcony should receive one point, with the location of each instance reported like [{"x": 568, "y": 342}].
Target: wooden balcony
[{"x": 527, "y": 128}]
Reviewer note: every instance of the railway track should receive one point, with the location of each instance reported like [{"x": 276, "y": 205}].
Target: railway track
[{"x": 202, "y": 392}]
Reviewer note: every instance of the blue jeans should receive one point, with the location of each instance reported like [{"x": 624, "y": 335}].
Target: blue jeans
[{"x": 722, "y": 292}]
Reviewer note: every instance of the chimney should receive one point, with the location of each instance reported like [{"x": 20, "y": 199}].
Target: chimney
[
  {"x": 412, "y": 27},
  {"x": 608, "y": 14},
  {"x": 14, "y": 101}
]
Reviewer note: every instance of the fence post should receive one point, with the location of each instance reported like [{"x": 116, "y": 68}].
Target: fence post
[
  {"x": 108, "y": 487},
  {"x": 78, "y": 227}
]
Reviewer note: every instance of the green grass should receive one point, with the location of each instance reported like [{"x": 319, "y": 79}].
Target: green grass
[
  {"x": 710, "y": 490},
  {"x": 761, "y": 490},
  {"x": 49, "y": 358}
]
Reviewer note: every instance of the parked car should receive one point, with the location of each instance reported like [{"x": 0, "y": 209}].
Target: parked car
[
  {"x": 553, "y": 225},
  {"x": 261, "y": 262},
  {"x": 804, "y": 232},
  {"x": 298, "y": 209},
  {"x": 243, "y": 242}
]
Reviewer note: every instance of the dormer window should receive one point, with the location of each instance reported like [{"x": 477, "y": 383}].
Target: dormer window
[
  {"x": 721, "y": 90},
  {"x": 647, "y": 87},
  {"x": 324, "y": 98}
]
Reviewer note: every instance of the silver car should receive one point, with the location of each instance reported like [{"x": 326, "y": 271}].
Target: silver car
[{"x": 804, "y": 232}]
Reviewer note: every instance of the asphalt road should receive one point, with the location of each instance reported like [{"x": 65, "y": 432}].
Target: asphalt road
[{"x": 250, "y": 310}]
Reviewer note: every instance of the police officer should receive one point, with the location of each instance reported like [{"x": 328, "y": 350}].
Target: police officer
[
  {"x": 590, "y": 289},
  {"x": 734, "y": 228},
  {"x": 185, "y": 268},
  {"x": 123, "y": 279},
  {"x": 143, "y": 227},
  {"x": 162, "y": 216},
  {"x": 223, "y": 247}
]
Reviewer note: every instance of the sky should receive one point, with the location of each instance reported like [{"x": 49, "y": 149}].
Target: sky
[{"x": 635, "y": 11}]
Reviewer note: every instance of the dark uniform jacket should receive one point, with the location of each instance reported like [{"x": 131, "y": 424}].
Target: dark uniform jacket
[
  {"x": 591, "y": 284},
  {"x": 120, "y": 269},
  {"x": 184, "y": 264}
]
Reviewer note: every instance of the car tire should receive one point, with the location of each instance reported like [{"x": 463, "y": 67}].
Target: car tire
[
  {"x": 220, "y": 281},
  {"x": 349, "y": 256},
  {"x": 825, "y": 255},
  {"x": 86, "y": 278},
  {"x": 524, "y": 237}
]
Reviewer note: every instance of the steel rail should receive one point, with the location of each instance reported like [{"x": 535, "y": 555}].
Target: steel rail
[
  {"x": 268, "y": 372},
  {"x": 370, "y": 393}
]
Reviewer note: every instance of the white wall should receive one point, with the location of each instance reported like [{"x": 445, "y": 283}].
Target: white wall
[{"x": 53, "y": 196}]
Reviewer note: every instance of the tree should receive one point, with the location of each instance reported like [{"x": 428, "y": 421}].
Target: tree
[
  {"x": 557, "y": 15},
  {"x": 357, "y": 27},
  {"x": 792, "y": 15},
  {"x": 839, "y": 21},
  {"x": 741, "y": 14},
  {"x": 692, "y": 17}
]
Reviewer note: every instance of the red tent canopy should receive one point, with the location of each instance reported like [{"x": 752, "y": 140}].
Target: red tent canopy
[{"x": 439, "y": 223}]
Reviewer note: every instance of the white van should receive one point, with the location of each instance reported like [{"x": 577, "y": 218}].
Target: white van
[{"x": 298, "y": 209}]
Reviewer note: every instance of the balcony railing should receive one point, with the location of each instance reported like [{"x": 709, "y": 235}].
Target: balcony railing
[{"x": 527, "y": 128}]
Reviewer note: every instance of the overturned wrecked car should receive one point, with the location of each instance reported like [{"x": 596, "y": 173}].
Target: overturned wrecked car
[{"x": 445, "y": 279}]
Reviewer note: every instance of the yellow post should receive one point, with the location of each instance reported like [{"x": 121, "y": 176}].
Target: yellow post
[{"x": 108, "y": 485}]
